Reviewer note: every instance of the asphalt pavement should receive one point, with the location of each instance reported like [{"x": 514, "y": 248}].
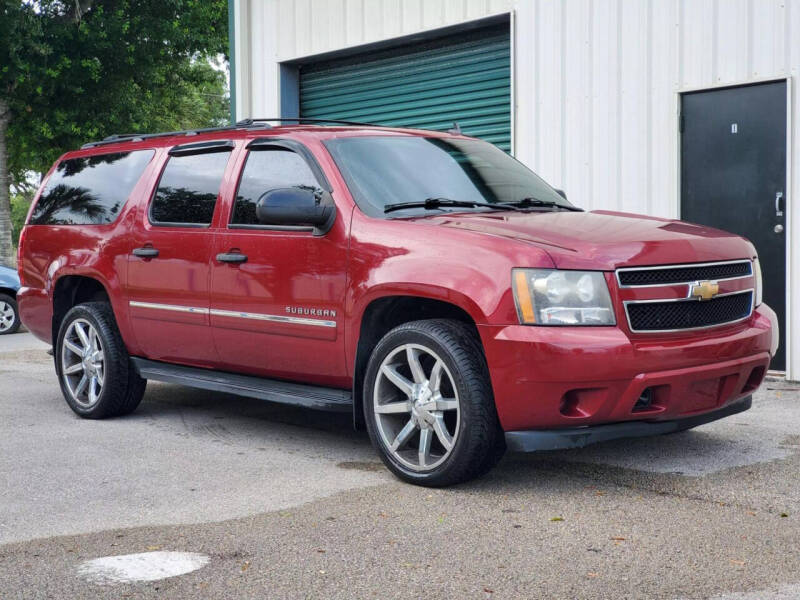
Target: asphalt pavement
[{"x": 265, "y": 501}]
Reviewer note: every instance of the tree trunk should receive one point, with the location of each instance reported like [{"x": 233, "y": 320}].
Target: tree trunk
[{"x": 7, "y": 255}]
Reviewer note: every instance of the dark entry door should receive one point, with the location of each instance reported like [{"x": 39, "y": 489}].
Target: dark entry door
[{"x": 733, "y": 175}]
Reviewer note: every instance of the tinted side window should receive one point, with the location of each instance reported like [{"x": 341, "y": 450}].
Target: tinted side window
[
  {"x": 90, "y": 190},
  {"x": 268, "y": 170},
  {"x": 188, "y": 190}
]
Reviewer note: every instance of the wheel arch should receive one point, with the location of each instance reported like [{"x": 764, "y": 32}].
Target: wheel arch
[
  {"x": 384, "y": 313},
  {"x": 70, "y": 290}
]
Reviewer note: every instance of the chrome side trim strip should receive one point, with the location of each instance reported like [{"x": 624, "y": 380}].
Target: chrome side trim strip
[
  {"x": 235, "y": 314},
  {"x": 172, "y": 307},
  {"x": 625, "y": 303},
  {"x": 683, "y": 266},
  {"x": 274, "y": 318}
]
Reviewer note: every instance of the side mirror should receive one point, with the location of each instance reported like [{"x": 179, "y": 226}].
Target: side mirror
[
  {"x": 561, "y": 193},
  {"x": 297, "y": 207}
]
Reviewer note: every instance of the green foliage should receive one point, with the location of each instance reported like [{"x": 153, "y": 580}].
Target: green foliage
[
  {"x": 19, "y": 210},
  {"x": 75, "y": 71},
  {"x": 191, "y": 96}
]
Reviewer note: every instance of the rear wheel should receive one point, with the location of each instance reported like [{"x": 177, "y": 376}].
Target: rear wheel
[
  {"x": 429, "y": 406},
  {"x": 93, "y": 366},
  {"x": 9, "y": 315}
]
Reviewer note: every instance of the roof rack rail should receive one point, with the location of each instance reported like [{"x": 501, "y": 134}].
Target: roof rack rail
[
  {"x": 250, "y": 122},
  {"x": 137, "y": 137},
  {"x": 243, "y": 124}
]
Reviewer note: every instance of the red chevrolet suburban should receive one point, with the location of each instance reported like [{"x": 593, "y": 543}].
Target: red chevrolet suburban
[{"x": 427, "y": 282}]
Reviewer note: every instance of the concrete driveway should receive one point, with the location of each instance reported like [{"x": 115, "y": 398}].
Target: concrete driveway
[{"x": 274, "y": 502}]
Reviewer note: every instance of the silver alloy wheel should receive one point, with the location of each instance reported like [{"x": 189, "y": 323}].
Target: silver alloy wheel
[
  {"x": 7, "y": 316},
  {"x": 82, "y": 363},
  {"x": 416, "y": 407}
]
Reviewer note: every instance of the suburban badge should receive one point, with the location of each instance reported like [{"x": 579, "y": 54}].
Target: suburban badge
[{"x": 314, "y": 312}]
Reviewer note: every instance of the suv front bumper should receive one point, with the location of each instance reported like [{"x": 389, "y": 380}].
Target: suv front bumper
[
  {"x": 577, "y": 377},
  {"x": 578, "y": 437}
]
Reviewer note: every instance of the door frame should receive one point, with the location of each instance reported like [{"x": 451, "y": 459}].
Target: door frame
[{"x": 792, "y": 371}]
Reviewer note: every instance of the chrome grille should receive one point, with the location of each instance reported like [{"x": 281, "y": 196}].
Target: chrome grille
[
  {"x": 675, "y": 274},
  {"x": 672, "y": 315}
]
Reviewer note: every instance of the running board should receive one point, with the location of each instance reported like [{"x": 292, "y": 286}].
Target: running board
[{"x": 297, "y": 394}]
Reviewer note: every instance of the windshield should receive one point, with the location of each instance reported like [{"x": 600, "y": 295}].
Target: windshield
[{"x": 381, "y": 171}]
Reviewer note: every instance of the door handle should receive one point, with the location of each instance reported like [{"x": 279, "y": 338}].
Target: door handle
[
  {"x": 146, "y": 252},
  {"x": 232, "y": 257},
  {"x": 778, "y": 198}
]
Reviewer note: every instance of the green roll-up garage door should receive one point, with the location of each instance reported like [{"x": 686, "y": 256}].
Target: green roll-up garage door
[{"x": 464, "y": 78}]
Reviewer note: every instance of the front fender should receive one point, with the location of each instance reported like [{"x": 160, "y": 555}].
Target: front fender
[{"x": 467, "y": 269}]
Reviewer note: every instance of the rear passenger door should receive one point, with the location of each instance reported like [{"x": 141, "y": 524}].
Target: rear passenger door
[
  {"x": 279, "y": 312},
  {"x": 168, "y": 269}
]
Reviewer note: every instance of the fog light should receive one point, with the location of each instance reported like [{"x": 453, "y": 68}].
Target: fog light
[{"x": 645, "y": 401}]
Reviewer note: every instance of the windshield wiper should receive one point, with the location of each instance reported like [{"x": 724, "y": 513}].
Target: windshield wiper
[
  {"x": 519, "y": 205},
  {"x": 431, "y": 203},
  {"x": 535, "y": 203}
]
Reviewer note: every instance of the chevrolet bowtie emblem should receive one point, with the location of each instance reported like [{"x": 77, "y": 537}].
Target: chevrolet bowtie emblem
[{"x": 704, "y": 290}]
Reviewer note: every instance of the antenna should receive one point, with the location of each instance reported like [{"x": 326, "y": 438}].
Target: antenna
[{"x": 456, "y": 129}]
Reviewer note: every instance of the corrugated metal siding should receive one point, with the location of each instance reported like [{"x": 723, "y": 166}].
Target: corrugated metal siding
[
  {"x": 597, "y": 87},
  {"x": 308, "y": 27},
  {"x": 465, "y": 78},
  {"x": 269, "y": 32}
]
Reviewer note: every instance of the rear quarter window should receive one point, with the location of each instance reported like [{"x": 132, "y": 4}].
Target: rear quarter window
[{"x": 90, "y": 190}]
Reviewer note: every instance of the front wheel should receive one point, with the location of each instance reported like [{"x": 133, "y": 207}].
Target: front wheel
[
  {"x": 428, "y": 404},
  {"x": 93, "y": 366}
]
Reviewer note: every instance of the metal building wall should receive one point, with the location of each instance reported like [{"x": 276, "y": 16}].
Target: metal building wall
[
  {"x": 272, "y": 31},
  {"x": 595, "y": 82},
  {"x": 597, "y": 86}
]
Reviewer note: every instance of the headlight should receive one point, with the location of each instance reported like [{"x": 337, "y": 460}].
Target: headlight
[
  {"x": 759, "y": 283},
  {"x": 552, "y": 297}
]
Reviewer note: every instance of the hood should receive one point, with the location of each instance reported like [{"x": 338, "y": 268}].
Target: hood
[{"x": 604, "y": 240}]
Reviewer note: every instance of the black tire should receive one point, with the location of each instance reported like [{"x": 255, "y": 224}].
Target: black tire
[
  {"x": 122, "y": 388},
  {"x": 11, "y": 302},
  {"x": 479, "y": 443}
]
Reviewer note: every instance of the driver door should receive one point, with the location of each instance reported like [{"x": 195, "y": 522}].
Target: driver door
[{"x": 277, "y": 292}]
